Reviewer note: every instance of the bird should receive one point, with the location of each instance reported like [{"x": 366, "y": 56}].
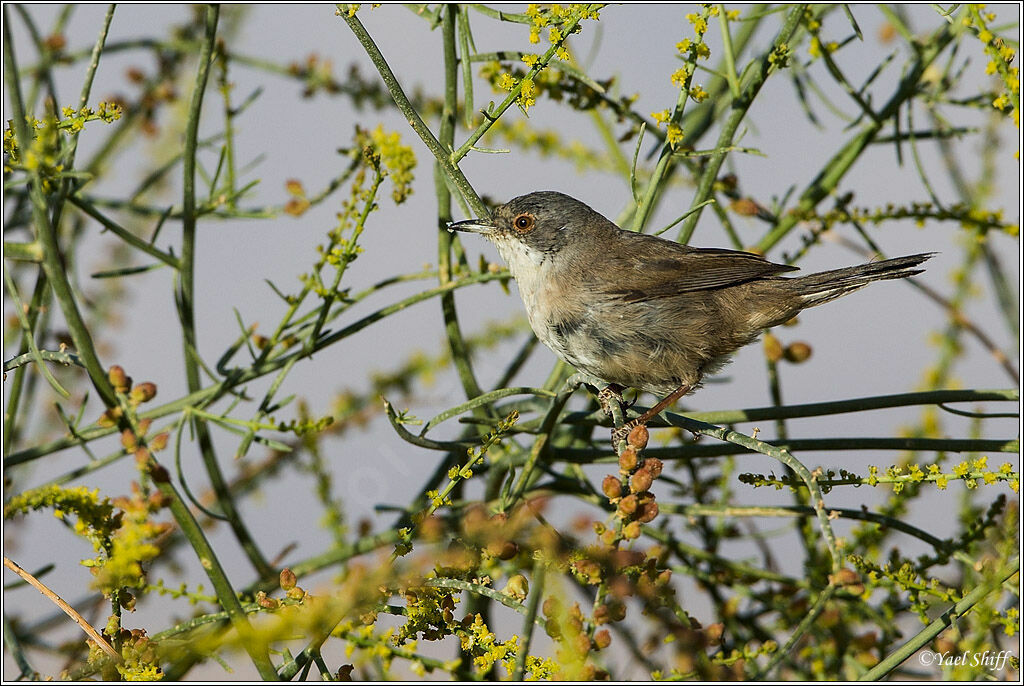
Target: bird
[{"x": 632, "y": 310}]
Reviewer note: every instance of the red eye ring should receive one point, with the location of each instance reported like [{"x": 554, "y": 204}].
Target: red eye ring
[{"x": 523, "y": 223}]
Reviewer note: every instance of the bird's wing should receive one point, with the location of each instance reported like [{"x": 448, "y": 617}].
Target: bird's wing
[{"x": 659, "y": 268}]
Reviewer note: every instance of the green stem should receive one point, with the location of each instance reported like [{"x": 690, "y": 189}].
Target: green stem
[
  {"x": 186, "y": 300},
  {"x": 456, "y": 340},
  {"x": 944, "y": 621},
  {"x": 443, "y": 157},
  {"x": 738, "y": 110},
  {"x": 53, "y": 264}
]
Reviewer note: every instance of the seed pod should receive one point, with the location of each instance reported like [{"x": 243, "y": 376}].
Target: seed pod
[
  {"x": 628, "y": 460},
  {"x": 797, "y": 352},
  {"x": 118, "y": 379},
  {"x": 142, "y": 393},
  {"x": 745, "y": 207},
  {"x": 655, "y": 465},
  {"x": 611, "y": 487},
  {"x": 128, "y": 440},
  {"x": 638, "y": 437},
  {"x": 628, "y": 505},
  {"x": 648, "y": 511},
  {"x": 641, "y": 481},
  {"x": 288, "y": 579}
]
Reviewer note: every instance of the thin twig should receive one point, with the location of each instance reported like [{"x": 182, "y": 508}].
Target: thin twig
[{"x": 68, "y": 610}]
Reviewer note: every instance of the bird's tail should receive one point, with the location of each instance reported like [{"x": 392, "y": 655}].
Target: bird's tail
[{"x": 815, "y": 289}]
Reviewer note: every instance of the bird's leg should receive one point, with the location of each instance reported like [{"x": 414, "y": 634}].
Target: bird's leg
[
  {"x": 609, "y": 394},
  {"x": 620, "y": 433}
]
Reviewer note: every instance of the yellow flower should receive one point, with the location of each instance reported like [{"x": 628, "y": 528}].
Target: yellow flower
[
  {"x": 530, "y": 59},
  {"x": 674, "y": 134},
  {"x": 679, "y": 77},
  {"x": 698, "y": 94},
  {"x": 661, "y": 117}
]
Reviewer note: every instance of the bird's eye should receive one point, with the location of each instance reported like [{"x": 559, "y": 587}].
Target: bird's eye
[{"x": 523, "y": 223}]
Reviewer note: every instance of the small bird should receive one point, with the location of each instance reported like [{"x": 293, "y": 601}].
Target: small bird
[{"x": 631, "y": 310}]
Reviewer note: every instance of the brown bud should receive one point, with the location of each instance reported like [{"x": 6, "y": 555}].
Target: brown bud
[
  {"x": 745, "y": 207},
  {"x": 727, "y": 182},
  {"x": 655, "y": 465},
  {"x": 602, "y": 639},
  {"x": 638, "y": 437},
  {"x": 266, "y": 602},
  {"x": 844, "y": 577},
  {"x": 55, "y": 42},
  {"x": 110, "y": 417},
  {"x": 797, "y": 352},
  {"x": 551, "y": 606},
  {"x": 628, "y": 460},
  {"x": 631, "y": 531},
  {"x": 142, "y": 393},
  {"x": 714, "y": 633},
  {"x": 848, "y": 580},
  {"x": 158, "y": 442},
  {"x": 772, "y": 348},
  {"x": 582, "y": 644},
  {"x": 128, "y": 440},
  {"x": 641, "y": 481},
  {"x": 648, "y": 511},
  {"x": 503, "y": 550},
  {"x": 611, "y": 487},
  {"x": 608, "y": 537},
  {"x": 159, "y": 474},
  {"x": 144, "y": 425},
  {"x": 126, "y": 600},
  {"x": 296, "y": 593},
  {"x": 628, "y": 505},
  {"x": 294, "y": 187},
  {"x": 288, "y": 579},
  {"x": 118, "y": 379}
]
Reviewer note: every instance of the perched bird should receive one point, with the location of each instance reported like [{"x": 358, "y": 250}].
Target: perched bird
[{"x": 631, "y": 310}]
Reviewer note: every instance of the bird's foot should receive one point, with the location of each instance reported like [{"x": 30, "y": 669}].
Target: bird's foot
[
  {"x": 611, "y": 393},
  {"x": 619, "y": 433}
]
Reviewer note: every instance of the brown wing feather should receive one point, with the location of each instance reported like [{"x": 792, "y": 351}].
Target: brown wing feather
[{"x": 671, "y": 269}]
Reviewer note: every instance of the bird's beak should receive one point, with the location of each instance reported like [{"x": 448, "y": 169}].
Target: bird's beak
[{"x": 482, "y": 226}]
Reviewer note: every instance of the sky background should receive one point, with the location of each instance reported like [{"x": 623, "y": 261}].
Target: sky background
[{"x": 872, "y": 343}]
